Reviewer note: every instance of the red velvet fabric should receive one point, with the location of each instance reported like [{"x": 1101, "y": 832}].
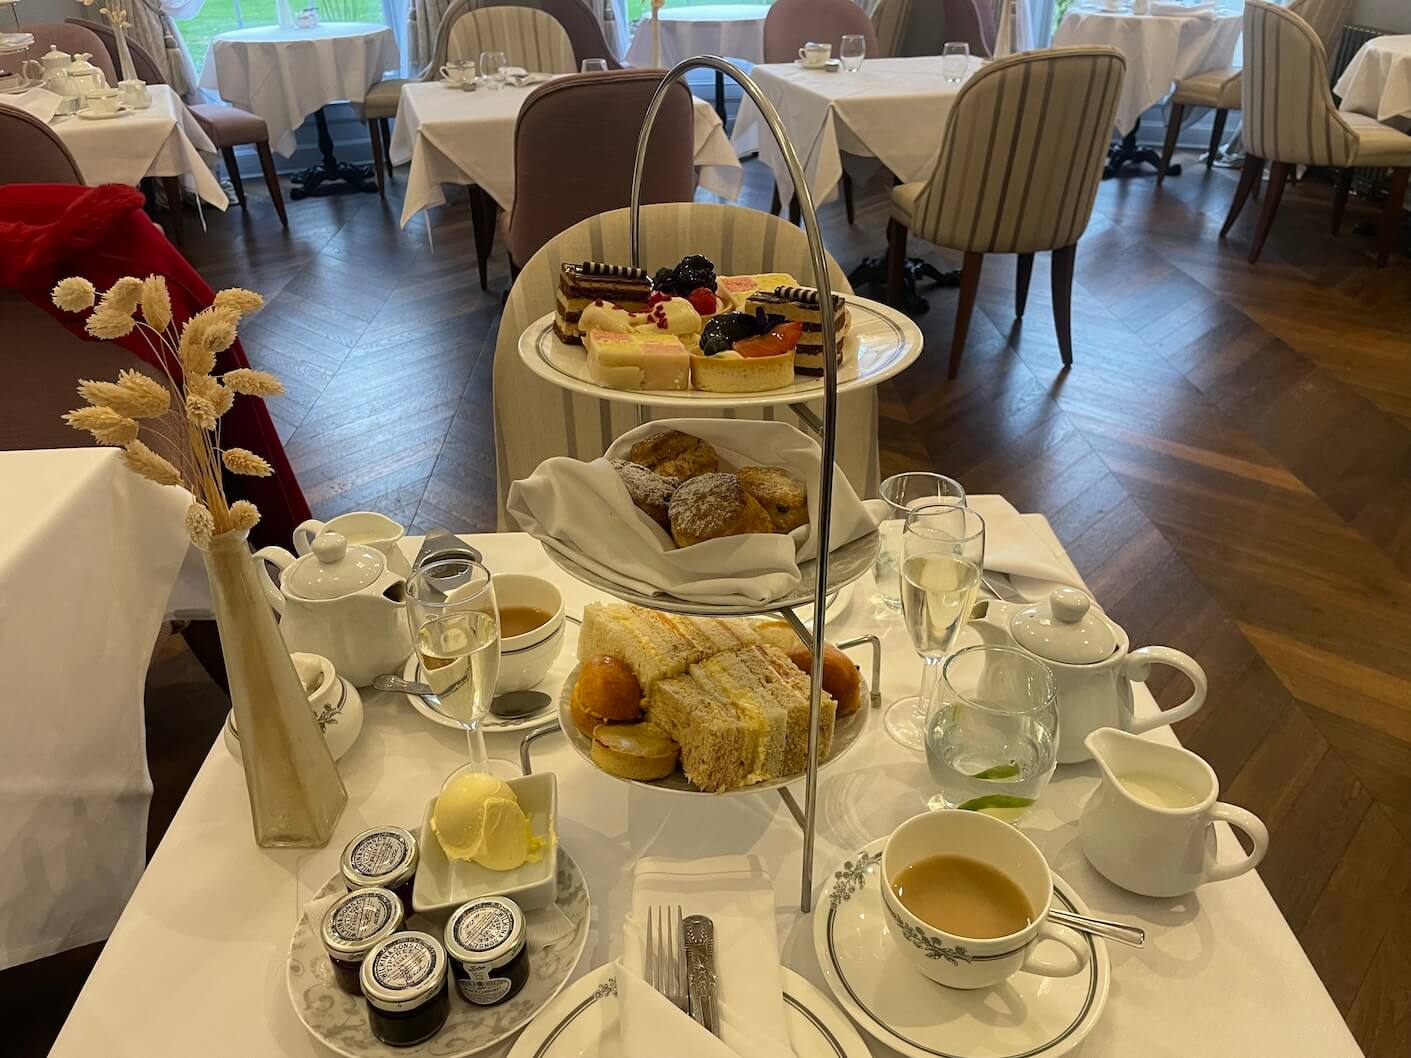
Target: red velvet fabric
[{"x": 49, "y": 231}]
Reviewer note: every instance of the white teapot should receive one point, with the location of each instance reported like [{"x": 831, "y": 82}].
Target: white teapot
[
  {"x": 343, "y": 602},
  {"x": 54, "y": 69},
  {"x": 82, "y": 77},
  {"x": 1092, "y": 667}
]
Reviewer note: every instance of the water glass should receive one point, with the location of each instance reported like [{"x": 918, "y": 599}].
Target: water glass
[
  {"x": 852, "y": 50},
  {"x": 955, "y": 59},
  {"x": 491, "y": 65},
  {"x": 593, "y": 66},
  {"x": 902, "y": 492},
  {"x": 991, "y": 731}
]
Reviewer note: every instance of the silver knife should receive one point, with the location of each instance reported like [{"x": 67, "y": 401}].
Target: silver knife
[{"x": 699, "y": 932}]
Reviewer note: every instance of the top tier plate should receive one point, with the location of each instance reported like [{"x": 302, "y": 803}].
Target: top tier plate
[{"x": 881, "y": 342}]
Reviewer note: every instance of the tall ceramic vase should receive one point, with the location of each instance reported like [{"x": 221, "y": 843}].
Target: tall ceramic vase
[
  {"x": 126, "y": 69},
  {"x": 295, "y": 793}
]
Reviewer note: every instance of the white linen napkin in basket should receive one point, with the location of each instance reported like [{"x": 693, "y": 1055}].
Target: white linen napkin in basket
[
  {"x": 738, "y": 896},
  {"x": 1012, "y": 548},
  {"x": 582, "y": 511}
]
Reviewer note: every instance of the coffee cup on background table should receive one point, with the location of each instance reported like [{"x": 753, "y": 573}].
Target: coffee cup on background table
[
  {"x": 967, "y": 899},
  {"x": 458, "y": 72},
  {"x": 102, "y": 100},
  {"x": 812, "y": 54}
]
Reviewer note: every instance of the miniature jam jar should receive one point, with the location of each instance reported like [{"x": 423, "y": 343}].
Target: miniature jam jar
[
  {"x": 408, "y": 996},
  {"x": 351, "y": 928},
  {"x": 489, "y": 958},
  {"x": 385, "y": 858}
]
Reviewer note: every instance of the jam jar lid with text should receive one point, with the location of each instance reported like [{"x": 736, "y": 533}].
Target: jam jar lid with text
[
  {"x": 486, "y": 933},
  {"x": 404, "y": 972},
  {"x": 383, "y": 856},
  {"x": 358, "y": 920}
]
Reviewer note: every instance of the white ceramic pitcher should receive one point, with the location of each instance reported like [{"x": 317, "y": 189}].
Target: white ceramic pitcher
[
  {"x": 1150, "y": 826},
  {"x": 367, "y": 528}
]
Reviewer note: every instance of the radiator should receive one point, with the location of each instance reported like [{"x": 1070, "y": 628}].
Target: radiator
[{"x": 1353, "y": 37}]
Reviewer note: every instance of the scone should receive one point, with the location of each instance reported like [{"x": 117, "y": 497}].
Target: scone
[
  {"x": 650, "y": 492},
  {"x": 674, "y": 454},
  {"x": 634, "y": 751},
  {"x": 782, "y": 495},
  {"x": 712, "y": 506},
  {"x": 606, "y": 693}
]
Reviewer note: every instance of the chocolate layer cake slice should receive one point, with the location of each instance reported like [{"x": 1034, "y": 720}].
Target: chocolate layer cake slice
[
  {"x": 800, "y": 305},
  {"x": 582, "y": 284}
]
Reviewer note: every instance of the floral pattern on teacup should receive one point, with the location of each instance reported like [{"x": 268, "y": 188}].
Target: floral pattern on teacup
[
  {"x": 851, "y": 877},
  {"x": 927, "y": 945}
]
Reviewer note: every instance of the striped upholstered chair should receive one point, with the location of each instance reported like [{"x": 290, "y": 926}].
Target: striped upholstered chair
[
  {"x": 1220, "y": 89},
  {"x": 1290, "y": 119},
  {"x": 1017, "y": 173},
  {"x": 535, "y": 420},
  {"x": 528, "y": 37}
]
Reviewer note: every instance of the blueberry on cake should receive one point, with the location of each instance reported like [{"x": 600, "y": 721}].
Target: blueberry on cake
[{"x": 800, "y": 305}]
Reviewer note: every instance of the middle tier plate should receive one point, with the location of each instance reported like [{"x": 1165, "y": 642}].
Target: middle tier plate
[{"x": 881, "y": 342}]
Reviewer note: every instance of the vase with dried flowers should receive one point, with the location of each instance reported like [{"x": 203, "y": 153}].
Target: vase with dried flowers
[
  {"x": 295, "y": 793},
  {"x": 121, "y": 22}
]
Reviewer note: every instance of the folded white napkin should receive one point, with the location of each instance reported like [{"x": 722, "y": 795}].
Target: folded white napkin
[
  {"x": 40, "y": 102},
  {"x": 582, "y": 511},
  {"x": 1169, "y": 7},
  {"x": 1013, "y": 548},
  {"x": 738, "y": 896}
]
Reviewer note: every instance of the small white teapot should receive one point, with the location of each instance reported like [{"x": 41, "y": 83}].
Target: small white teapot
[
  {"x": 83, "y": 77},
  {"x": 54, "y": 69},
  {"x": 1089, "y": 656},
  {"x": 343, "y": 602}
]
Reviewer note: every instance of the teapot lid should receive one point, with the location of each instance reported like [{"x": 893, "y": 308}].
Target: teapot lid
[
  {"x": 1066, "y": 629},
  {"x": 335, "y": 568},
  {"x": 55, "y": 53}
]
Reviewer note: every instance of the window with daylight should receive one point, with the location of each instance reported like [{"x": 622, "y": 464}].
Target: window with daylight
[{"x": 199, "y": 22}]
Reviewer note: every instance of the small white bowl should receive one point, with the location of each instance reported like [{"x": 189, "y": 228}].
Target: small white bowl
[
  {"x": 335, "y": 703},
  {"x": 443, "y": 886},
  {"x": 526, "y": 659}
]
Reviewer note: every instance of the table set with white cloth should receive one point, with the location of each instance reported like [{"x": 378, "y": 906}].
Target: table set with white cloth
[
  {"x": 89, "y": 553},
  {"x": 734, "y": 31},
  {"x": 451, "y": 136},
  {"x": 1377, "y": 82},
  {"x": 284, "y": 75},
  {"x": 893, "y": 110},
  {"x": 198, "y": 962}
]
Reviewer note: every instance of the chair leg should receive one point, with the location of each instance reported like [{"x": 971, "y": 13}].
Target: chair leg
[
  {"x": 374, "y": 135},
  {"x": 1278, "y": 177},
  {"x": 1252, "y": 170},
  {"x": 272, "y": 181},
  {"x": 1391, "y": 214},
  {"x": 1340, "y": 197},
  {"x": 896, "y": 261},
  {"x": 969, "y": 287},
  {"x": 795, "y": 211},
  {"x": 1173, "y": 130},
  {"x": 482, "y": 219},
  {"x": 1217, "y": 133},
  {"x": 776, "y": 203},
  {"x": 228, "y": 153},
  {"x": 1061, "y": 264},
  {"x": 172, "y": 184},
  {"x": 847, "y": 196},
  {"x": 1021, "y": 286},
  {"x": 385, "y": 125}
]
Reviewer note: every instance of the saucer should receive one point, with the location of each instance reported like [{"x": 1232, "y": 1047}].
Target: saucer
[
  {"x": 1025, "y": 1017},
  {"x": 811, "y": 65},
  {"x": 93, "y": 115}
]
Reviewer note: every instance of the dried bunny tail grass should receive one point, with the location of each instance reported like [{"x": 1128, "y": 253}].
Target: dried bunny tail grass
[
  {"x": 253, "y": 383},
  {"x": 134, "y": 394},
  {"x": 122, "y": 297},
  {"x": 208, "y": 332},
  {"x": 244, "y": 515},
  {"x": 243, "y": 461},
  {"x": 206, "y": 386},
  {"x": 242, "y": 302},
  {"x": 199, "y": 412},
  {"x": 142, "y": 460},
  {"x": 199, "y": 523},
  {"x": 156, "y": 302},
  {"x": 107, "y": 426},
  {"x": 74, "y": 294},
  {"x": 105, "y": 323}
]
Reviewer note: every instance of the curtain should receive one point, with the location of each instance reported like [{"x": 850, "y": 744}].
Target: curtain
[
  {"x": 153, "y": 28},
  {"x": 1033, "y": 24}
]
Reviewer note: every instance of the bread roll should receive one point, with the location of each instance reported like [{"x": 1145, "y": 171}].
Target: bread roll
[
  {"x": 781, "y": 494},
  {"x": 634, "y": 751},
  {"x": 674, "y": 454},
  {"x": 840, "y": 676},
  {"x": 715, "y": 505}
]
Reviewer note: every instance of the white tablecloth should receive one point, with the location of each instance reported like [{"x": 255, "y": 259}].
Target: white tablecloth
[
  {"x": 892, "y": 109},
  {"x": 734, "y": 31},
  {"x": 163, "y": 140},
  {"x": 284, "y": 75},
  {"x": 456, "y": 137},
  {"x": 88, "y": 556},
  {"x": 1377, "y": 81},
  {"x": 1160, "y": 50},
  {"x": 197, "y": 964}
]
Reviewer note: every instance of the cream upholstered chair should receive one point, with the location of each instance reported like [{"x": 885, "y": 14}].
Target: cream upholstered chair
[
  {"x": 1290, "y": 119},
  {"x": 1018, "y": 173},
  {"x": 922, "y": 27},
  {"x": 535, "y": 420},
  {"x": 1220, "y": 89},
  {"x": 528, "y": 37}
]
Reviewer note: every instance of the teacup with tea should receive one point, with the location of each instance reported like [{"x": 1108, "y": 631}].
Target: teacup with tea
[{"x": 967, "y": 898}]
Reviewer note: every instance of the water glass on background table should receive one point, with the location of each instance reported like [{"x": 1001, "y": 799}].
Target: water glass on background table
[
  {"x": 955, "y": 59},
  {"x": 593, "y": 66},
  {"x": 902, "y": 492},
  {"x": 491, "y": 65},
  {"x": 992, "y": 730},
  {"x": 852, "y": 50}
]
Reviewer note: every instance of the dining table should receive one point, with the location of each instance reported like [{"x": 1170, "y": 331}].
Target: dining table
[
  {"x": 733, "y": 31},
  {"x": 198, "y": 962},
  {"x": 1377, "y": 82}
]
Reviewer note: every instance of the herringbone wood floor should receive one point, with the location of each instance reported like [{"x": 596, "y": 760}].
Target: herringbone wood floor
[{"x": 1229, "y": 464}]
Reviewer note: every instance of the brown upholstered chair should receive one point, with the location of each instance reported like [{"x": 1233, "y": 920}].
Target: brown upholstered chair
[
  {"x": 595, "y": 115},
  {"x": 911, "y": 27},
  {"x": 1008, "y": 181},
  {"x": 33, "y": 154},
  {"x": 228, "y": 127},
  {"x": 66, "y": 37}
]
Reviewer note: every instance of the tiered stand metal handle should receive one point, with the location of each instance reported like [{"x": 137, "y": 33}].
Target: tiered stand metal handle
[{"x": 826, "y": 428}]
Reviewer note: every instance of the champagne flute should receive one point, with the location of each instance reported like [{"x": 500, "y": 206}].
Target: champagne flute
[
  {"x": 902, "y": 493},
  {"x": 943, "y": 552},
  {"x": 455, "y": 627}
]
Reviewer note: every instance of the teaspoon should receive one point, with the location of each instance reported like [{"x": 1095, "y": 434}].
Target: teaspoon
[{"x": 1133, "y": 936}]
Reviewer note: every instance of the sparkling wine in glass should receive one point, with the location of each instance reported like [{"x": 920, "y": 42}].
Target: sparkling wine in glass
[{"x": 902, "y": 493}]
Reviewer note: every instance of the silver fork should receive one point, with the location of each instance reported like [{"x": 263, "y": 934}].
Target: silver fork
[{"x": 665, "y": 957}]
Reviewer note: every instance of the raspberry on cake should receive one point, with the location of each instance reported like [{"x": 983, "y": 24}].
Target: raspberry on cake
[{"x": 580, "y": 285}]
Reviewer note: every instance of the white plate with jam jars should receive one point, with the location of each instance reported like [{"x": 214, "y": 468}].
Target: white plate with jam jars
[{"x": 555, "y": 938}]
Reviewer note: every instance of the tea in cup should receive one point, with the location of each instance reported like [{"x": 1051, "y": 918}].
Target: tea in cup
[
  {"x": 101, "y": 100},
  {"x": 967, "y": 899},
  {"x": 812, "y": 54}
]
